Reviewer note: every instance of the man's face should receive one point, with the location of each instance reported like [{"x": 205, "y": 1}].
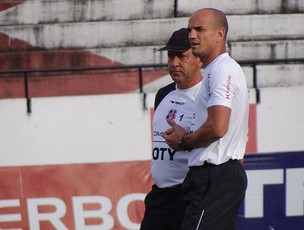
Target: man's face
[
  {"x": 203, "y": 34},
  {"x": 183, "y": 66}
]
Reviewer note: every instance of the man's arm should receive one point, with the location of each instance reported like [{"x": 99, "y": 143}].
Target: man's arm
[{"x": 211, "y": 130}]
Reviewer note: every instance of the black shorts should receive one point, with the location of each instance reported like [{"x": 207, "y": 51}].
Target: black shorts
[
  {"x": 213, "y": 195},
  {"x": 164, "y": 209}
]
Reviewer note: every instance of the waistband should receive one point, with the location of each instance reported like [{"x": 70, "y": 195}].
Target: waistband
[{"x": 208, "y": 165}]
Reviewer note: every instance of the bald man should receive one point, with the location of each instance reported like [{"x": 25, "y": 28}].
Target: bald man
[{"x": 215, "y": 185}]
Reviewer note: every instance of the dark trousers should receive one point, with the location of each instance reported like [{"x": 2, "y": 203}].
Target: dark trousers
[
  {"x": 164, "y": 209},
  {"x": 213, "y": 195}
]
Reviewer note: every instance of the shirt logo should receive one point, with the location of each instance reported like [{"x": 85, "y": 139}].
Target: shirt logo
[
  {"x": 228, "y": 87},
  {"x": 177, "y": 102},
  {"x": 208, "y": 84},
  {"x": 172, "y": 114}
]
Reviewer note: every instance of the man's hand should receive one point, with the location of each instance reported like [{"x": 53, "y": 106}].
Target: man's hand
[{"x": 174, "y": 134}]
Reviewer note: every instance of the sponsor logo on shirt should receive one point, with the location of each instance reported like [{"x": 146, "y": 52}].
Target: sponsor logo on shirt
[
  {"x": 177, "y": 102},
  {"x": 172, "y": 114},
  {"x": 228, "y": 87}
]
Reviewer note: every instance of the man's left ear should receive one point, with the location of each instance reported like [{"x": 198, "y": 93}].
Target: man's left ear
[{"x": 222, "y": 33}]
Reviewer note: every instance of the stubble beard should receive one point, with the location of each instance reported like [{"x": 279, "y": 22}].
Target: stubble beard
[{"x": 197, "y": 53}]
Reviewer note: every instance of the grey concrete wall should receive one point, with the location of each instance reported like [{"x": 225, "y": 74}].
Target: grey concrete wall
[
  {"x": 151, "y": 32},
  {"x": 130, "y": 32},
  {"x": 241, "y": 7},
  {"x": 106, "y": 34},
  {"x": 60, "y": 11}
]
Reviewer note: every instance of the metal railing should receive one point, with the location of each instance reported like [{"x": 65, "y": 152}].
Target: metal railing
[
  {"x": 25, "y": 73},
  {"x": 255, "y": 63}
]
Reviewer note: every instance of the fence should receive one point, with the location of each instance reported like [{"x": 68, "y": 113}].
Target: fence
[{"x": 26, "y": 73}]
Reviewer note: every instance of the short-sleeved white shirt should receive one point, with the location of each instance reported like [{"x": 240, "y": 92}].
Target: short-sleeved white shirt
[
  {"x": 224, "y": 83},
  {"x": 169, "y": 167}
]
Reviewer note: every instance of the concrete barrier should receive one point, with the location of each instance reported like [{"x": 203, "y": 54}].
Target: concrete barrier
[
  {"x": 236, "y": 7},
  {"x": 150, "y": 32},
  {"x": 267, "y": 50},
  {"x": 284, "y": 75},
  {"x": 85, "y": 11},
  {"x": 112, "y": 10}
]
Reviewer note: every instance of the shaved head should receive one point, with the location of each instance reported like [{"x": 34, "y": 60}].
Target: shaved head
[
  {"x": 208, "y": 30},
  {"x": 218, "y": 17}
]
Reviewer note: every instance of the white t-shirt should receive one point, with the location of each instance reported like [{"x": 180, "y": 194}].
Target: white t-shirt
[
  {"x": 169, "y": 167},
  {"x": 224, "y": 83}
]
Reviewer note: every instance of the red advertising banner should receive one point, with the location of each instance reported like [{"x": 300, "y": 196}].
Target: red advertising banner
[
  {"x": 251, "y": 146},
  {"x": 110, "y": 195},
  {"x": 82, "y": 196}
]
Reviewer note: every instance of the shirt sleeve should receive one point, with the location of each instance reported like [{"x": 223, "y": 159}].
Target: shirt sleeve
[{"x": 221, "y": 87}]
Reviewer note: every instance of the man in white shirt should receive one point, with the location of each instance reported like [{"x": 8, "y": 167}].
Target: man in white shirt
[
  {"x": 216, "y": 183},
  {"x": 164, "y": 203}
]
